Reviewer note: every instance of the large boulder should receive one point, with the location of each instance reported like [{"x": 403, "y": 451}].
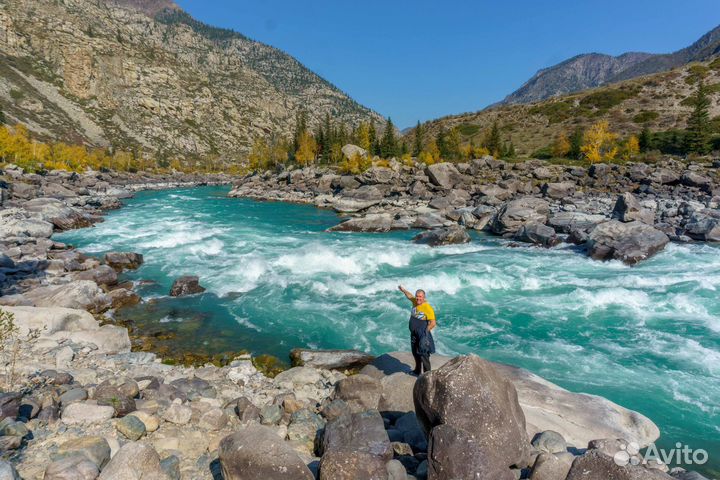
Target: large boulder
[
  {"x": 444, "y": 175},
  {"x": 62, "y": 216},
  {"x": 443, "y": 236},
  {"x": 628, "y": 208},
  {"x": 538, "y": 234},
  {"x": 134, "y": 461},
  {"x": 578, "y": 417},
  {"x": 361, "y": 392},
  {"x": 16, "y": 222},
  {"x": 475, "y": 423},
  {"x": 330, "y": 359},
  {"x": 355, "y": 446},
  {"x": 629, "y": 242},
  {"x": 60, "y": 324},
  {"x": 512, "y": 215},
  {"x": 256, "y": 451},
  {"x": 78, "y": 294},
  {"x": 186, "y": 285},
  {"x": 704, "y": 228},
  {"x": 351, "y": 150},
  {"x": 123, "y": 260},
  {"x": 563, "y": 222},
  {"x": 374, "y": 222},
  {"x": 559, "y": 190}
]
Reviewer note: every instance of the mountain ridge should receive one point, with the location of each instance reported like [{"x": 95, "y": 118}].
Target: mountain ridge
[{"x": 590, "y": 70}]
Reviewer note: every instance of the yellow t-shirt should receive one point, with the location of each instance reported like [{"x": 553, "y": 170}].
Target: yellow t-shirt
[{"x": 423, "y": 312}]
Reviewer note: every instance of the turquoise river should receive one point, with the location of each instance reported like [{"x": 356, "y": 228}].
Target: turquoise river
[{"x": 647, "y": 337}]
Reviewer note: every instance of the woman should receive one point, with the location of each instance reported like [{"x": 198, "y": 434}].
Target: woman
[{"x": 422, "y": 322}]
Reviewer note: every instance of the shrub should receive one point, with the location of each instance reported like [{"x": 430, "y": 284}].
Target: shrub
[
  {"x": 607, "y": 98},
  {"x": 645, "y": 116},
  {"x": 554, "y": 111},
  {"x": 11, "y": 343},
  {"x": 468, "y": 129}
]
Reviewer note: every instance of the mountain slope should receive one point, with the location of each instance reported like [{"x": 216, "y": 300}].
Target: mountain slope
[
  {"x": 596, "y": 69},
  {"x": 655, "y": 101},
  {"x": 144, "y": 75},
  {"x": 575, "y": 74}
]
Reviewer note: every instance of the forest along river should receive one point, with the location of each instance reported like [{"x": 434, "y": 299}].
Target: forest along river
[{"x": 646, "y": 337}]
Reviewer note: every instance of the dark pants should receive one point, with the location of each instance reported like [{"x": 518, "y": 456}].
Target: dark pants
[{"x": 422, "y": 362}]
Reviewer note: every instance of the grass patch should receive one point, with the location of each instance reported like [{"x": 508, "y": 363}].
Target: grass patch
[{"x": 17, "y": 95}]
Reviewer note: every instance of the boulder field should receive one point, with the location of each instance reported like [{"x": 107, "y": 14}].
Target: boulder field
[{"x": 624, "y": 212}]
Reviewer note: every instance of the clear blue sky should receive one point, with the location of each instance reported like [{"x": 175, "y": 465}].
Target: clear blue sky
[{"x": 421, "y": 59}]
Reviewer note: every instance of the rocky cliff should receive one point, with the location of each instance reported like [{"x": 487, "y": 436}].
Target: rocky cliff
[{"x": 144, "y": 75}]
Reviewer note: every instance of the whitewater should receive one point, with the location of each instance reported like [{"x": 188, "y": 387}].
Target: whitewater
[{"x": 646, "y": 337}]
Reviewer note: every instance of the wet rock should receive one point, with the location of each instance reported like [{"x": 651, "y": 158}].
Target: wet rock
[
  {"x": 330, "y": 359},
  {"x": 123, "y": 260},
  {"x": 186, "y": 285},
  {"x": 538, "y": 234},
  {"x": 256, "y": 451},
  {"x": 375, "y": 222},
  {"x": 629, "y": 242},
  {"x": 475, "y": 422},
  {"x": 443, "y": 236}
]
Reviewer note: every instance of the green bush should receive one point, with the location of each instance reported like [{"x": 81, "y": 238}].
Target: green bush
[
  {"x": 468, "y": 129},
  {"x": 543, "y": 153},
  {"x": 554, "y": 111},
  {"x": 607, "y": 98},
  {"x": 645, "y": 116}
]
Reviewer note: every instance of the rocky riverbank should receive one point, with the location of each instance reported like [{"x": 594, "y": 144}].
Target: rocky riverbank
[
  {"x": 37, "y": 271},
  {"x": 83, "y": 406},
  {"x": 626, "y": 212}
]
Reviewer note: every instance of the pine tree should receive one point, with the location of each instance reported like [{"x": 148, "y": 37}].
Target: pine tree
[
  {"x": 374, "y": 144},
  {"x": 510, "y": 151},
  {"x": 645, "y": 140},
  {"x": 441, "y": 143},
  {"x": 698, "y": 126},
  {"x": 418, "y": 144},
  {"x": 300, "y": 129},
  {"x": 493, "y": 142},
  {"x": 388, "y": 145},
  {"x": 576, "y": 141}
]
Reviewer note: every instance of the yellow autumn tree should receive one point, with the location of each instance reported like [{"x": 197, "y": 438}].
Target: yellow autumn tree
[
  {"x": 561, "y": 146},
  {"x": 430, "y": 154},
  {"x": 630, "y": 148},
  {"x": 307, "y": 149},
  {"x": 355, "y": 164},
  {"x": 599, "y": 143},
  {"x": 363, "y": 135},
  {"x": 259, "y": 157}
]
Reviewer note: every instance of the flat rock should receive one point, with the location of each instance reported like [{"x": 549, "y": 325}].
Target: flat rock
[
  {"x": 330, "y": 359},
  {"x": 578, "y": 417},
  {"x": 86, "y": 413},
  {"x": 629, "y": 242}
]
